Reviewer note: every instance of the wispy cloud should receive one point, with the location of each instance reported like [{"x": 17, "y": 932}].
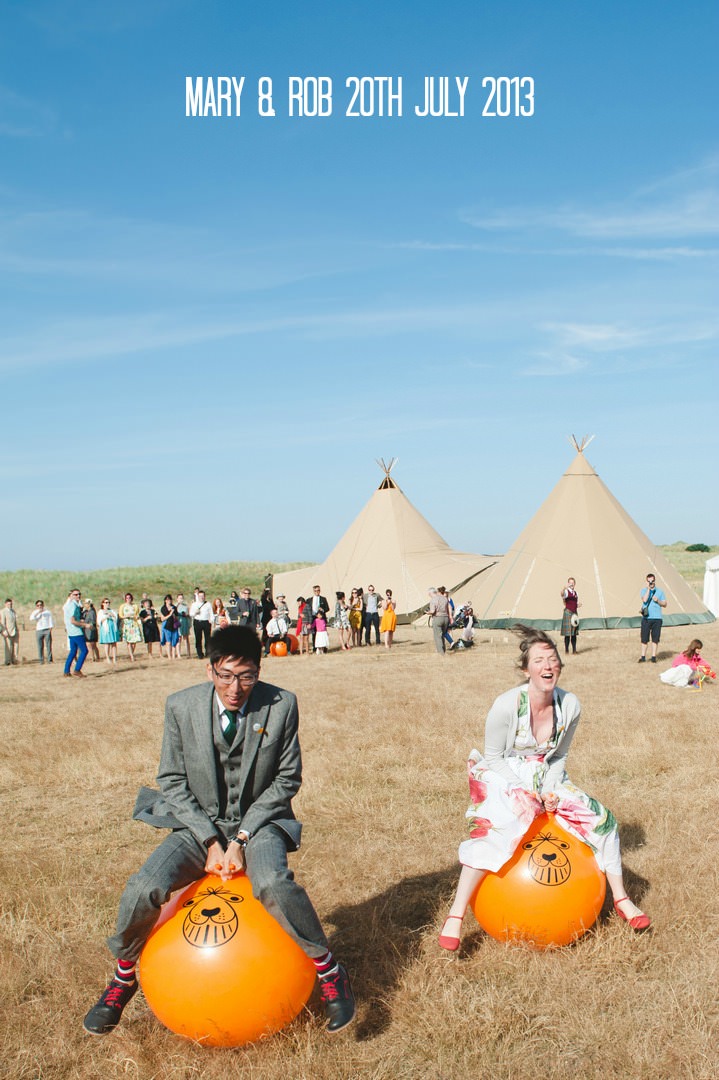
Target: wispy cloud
[
  {"x": 510, "y": 326},
  {"x": 615, "y": 337},
  {"x": 574, "y": 348},
  {"x": 22, "y": 118},
  {"x": 598, "y": 337},
  {"x": 74, "y": 20},
  {"x": 562, "y": 364},
  {"x": 696, "y": 214},
  {"x": 67, "y": 244},
  {"x": 658, "y": 254},
  {"x": 84, "y": 339},
  {"x": 662, "y": 254},
  {"x": 685, "y": 204}
]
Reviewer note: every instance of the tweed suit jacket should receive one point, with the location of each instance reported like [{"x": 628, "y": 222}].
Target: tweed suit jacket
[{"x": 270, "y": 772}]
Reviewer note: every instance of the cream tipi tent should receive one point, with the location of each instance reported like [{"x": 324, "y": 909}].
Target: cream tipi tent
[
  {"x": 391, "y": 546},
  {"x": 580, "y": 531}
]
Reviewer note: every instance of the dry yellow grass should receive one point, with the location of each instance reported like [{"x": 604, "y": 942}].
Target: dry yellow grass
[{"x": 385, "y": 738}]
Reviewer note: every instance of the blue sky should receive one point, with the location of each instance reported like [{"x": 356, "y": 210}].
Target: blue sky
[{"x": 210, "y": 328}]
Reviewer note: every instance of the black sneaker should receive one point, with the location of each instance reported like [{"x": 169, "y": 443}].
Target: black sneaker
[
  {"x": 642, "y": 660},
  {"x": 338, "y": 1000},
  {"x": 105, "y": 1016},
  {"x": 654, "y": 659}
]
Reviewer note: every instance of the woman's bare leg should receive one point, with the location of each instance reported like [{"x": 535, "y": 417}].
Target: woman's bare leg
[
  {"x": 619, "y": 894},
  {"x": 469, "y": 879}
]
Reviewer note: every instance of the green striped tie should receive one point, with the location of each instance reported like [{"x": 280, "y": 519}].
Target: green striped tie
[{"x": 231, "y": 727}]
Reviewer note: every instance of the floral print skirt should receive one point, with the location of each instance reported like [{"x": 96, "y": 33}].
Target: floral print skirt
[
  {"x": 501, "y": 813},
  {"x": 131, "y": 631}
]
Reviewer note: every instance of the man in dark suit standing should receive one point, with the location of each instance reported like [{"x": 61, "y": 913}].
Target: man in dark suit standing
[
  {"x": 229, "y": 767},
  {"x": 248, "y": 610},
  {"x": 316, "y": 603}
]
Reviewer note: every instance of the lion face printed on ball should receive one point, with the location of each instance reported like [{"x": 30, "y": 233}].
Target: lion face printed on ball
[
  {"x": 211, "y": 919},
  {"x": 548, "y": 862}
]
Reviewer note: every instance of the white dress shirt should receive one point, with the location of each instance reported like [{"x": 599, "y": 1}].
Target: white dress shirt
[
  {"x": 43, "y": 619},
  {"x": 201, "y": 611}
]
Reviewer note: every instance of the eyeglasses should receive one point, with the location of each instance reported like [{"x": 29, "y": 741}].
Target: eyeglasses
[{"x": 245, "y": 678}]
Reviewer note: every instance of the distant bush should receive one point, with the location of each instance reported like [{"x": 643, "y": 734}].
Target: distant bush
[{"x": 698, "y": 547}]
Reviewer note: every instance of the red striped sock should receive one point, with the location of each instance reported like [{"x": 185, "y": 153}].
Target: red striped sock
[
  {"x": 324, "y": 965},
  {"x": 125, "y": 971}
]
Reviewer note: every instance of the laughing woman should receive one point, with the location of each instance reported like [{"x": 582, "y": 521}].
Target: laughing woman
[{"x": 522, "y": 774}]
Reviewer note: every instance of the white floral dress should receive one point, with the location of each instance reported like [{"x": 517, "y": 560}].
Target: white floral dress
[{"x": 501, "y": 813}]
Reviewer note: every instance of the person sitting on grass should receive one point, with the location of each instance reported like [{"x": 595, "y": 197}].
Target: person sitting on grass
[
  {"x": 229, "y": 768},
  {"x": 521, "y": 775},
  {"x": 686, "y": 666}
]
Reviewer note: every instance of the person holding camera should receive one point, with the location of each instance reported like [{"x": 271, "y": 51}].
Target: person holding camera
[{"x": 653, "y": 600}]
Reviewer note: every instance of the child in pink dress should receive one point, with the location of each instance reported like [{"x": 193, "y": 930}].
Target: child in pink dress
[{"x": 322, "y": 638}]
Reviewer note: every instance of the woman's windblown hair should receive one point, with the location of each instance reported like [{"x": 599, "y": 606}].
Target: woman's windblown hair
[{"x": 528, "y": 636}]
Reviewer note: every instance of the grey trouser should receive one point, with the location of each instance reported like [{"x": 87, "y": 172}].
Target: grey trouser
[
  {"x": 439, "y": 628},
  {"x": 180, "y": 860},
  {"x": 44, "y": 643}
]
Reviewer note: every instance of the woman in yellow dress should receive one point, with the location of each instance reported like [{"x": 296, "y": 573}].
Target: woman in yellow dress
[
  {"x": 388, "y": 623},
  {"x": 355, "y": 616}
]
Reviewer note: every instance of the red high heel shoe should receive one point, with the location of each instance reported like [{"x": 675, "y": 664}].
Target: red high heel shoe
[
  {"x": 638, "y": 923},
  {"x": 451, "y": 944}
]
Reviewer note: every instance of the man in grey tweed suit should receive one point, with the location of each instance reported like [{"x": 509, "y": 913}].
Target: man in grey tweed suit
[{"x": 229, "y": 767}]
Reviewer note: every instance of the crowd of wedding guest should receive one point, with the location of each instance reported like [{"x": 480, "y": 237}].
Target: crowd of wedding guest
[{"x": 181, "y": 627}]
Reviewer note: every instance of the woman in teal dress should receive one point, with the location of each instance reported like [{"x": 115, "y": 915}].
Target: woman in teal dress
[
  {"x": 107, "y": 626},
  {"x": 184, "y": 624}
]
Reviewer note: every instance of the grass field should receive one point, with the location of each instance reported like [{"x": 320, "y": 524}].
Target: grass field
[
  {"x": 690, "y": 564},
  {"x": 385, "y": 738}
]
